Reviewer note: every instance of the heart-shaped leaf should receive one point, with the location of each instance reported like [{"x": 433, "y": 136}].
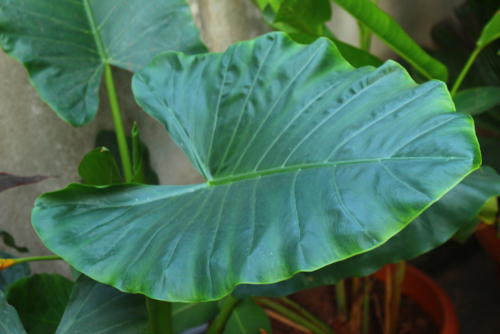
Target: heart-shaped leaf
[
  {"x": 66, "y": 44},
  {"x": 454, "y": 211},
  {"x": 99, "y": 168},
  {"x": 40, "y": 301},
  {"x": 99, "y": 308},
  {"x": 248, "y": 318},
  {"x": 9, "y": 320},
  {"x": 308, "y": 160},
  {"x": 389, "y": 31}
]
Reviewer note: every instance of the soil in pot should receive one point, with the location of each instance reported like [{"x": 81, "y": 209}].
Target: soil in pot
[{"x": 321, "y": 303}]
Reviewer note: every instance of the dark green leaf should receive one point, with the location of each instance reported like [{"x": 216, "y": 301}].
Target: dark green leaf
[
  {"x": 475, "y": 101},
  {"x": 108, "y": 139},
  {"x": 9, "y": 241},
  {"x": 248, "y": 318},
  {"x": 389, "y": 31},
  {"x": 8, "y": 181},
  {"x": 66, "y": 44},
  {"x": 137, "y": 154},
  {"x": 490, "y": 32},
  {"x": 307, "y": 16},
  {"x": 9, "y": 320},
  {"x": 454, "y": 211},
  {"x": 99, "y": 308},
  {"x": 490, "y": 150},
  {"x": 40, "y": 301},
  {"x": 301, "y": 151},
  {"x": 99, "y": 168},
  {"x": 14, "y": 273},
  {"x": 456, "y": 38}
]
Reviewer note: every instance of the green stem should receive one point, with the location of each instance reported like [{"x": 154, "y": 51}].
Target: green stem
[
  {"x": 341, "y": 299},
  {"x": 365, "y": 35},
  {"x": 291, "y": 315},
  {"x": 117, "y": 119},
  {"x": 38, "y": 258},
  {"x": 306, "y": 314},
  {"x": 464, "y": 72},
  {"x": 224, "y": 314},
  {"x": 399, "y": 278},
  {"x": 160, "y": 316}
]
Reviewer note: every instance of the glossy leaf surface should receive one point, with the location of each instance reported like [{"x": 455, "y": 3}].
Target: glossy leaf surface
[
  {"x": 490, "y": 32},
  {"x": 455, "y": 210},
  {"x": 300, "y": 151},
  {"x": 475, "y": 101},
  {"x": 8, "y": 181},
  {"x": 9, "y": 320},
  {"x": 98, "y": 168},
  {"x": 40, "y": 301},
  {"x": 99, "y": 308},
  {"x": 14, "y": 273},
  {"x": 65, "y": 44},
  {"x": 389, "y": 31},
  {"x": 248, "y": 318}
]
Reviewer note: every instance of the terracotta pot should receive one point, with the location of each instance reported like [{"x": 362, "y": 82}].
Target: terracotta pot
[
  {"x": 431, "y": 298},
  {"x": 488, "y": 237}
]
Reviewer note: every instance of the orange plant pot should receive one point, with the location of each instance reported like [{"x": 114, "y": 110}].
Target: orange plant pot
[
  {"x": 431, "y": 298},
  {"x": 488, "y": 238}
]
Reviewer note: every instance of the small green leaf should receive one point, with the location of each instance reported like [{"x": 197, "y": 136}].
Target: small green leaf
[
  {"x": 107, "y": 139},
  {"x": 8, "y": 181},
  {"x": 454, "y": 211},
  {"x": 389, "y": 31},
  {"x": 248, "y": 318},
  {"x": 307, "y": 16},
  {"x": 9, "y": 319},
  {"x": 489, "y": 211},
  {"x": 99, "y": 168},
  {"x": 14, "y": 273},
  {"x": 40, "y": 301},
  {"x": 475, "y": 101},
  {"x": 9, "y": 241},
  {"x": 490, "y": 32},
  {"x": 65, "y": 44},
  {"x": 137, "y": 154}
]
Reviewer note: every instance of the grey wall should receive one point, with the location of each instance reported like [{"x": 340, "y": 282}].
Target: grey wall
[{"x": 33, "y": 140}]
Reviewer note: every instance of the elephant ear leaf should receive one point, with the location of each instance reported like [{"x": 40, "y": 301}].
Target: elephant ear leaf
[
  {"x": 308, "y": 162},
  {"x": 65, "y": 45},
  {"x": 9, "y": 321}
]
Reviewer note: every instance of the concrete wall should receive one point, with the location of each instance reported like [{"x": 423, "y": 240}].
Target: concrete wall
[{"x": 34, "y": 141}]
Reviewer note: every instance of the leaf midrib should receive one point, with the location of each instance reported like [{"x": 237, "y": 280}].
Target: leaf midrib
[
  {"x": 95, "y": 31},
  {"x": 294, "y": 168}
]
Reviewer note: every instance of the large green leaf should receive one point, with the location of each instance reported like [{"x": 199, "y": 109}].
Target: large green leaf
[
  {"x": 389, "y": 31},
  {"x": 248, "y": 318},
  {"x": 308, "y": 160},
  {"x": 432, "y": 228},
  {"x": 66, "y": 44},
  {"x": 14, "y": 273},
  {"x": 40, "y": 301},
  {"x": 99, "y": 308},
  {"x": 9, "y": 320}
]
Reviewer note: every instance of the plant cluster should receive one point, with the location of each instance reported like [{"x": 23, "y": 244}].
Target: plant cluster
[{"x": 321, "y": 163}]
